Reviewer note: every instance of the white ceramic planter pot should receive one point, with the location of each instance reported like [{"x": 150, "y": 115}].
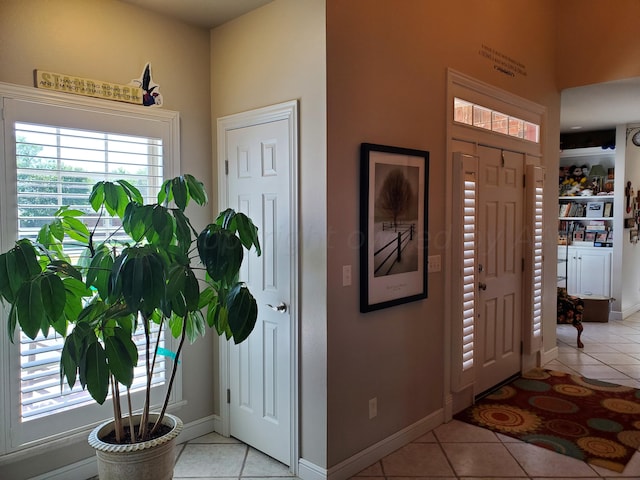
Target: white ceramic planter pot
[{"x": 151, "y": 460}]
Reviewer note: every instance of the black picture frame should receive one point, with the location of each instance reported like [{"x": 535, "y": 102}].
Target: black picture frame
[{"x": 394, "y": 192}]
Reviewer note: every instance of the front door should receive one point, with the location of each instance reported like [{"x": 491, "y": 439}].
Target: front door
[
  {"x": 260, "y": 381},
  {"x": 500, "y": 265}
]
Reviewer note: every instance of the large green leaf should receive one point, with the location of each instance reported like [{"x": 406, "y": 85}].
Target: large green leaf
[
  {"x": 96, "y": 372},
  {"x": 75, "y": 293},
  {"x": 221, "y": 252},
  {"x": 115, "y": 199},
  {"x": 247, "y": 232},
  {"x": 243, "y": 312},
  {"x": 137, "y": 220},
  {"x": 131, "y": 191},
  {"x": 65, "y": 268},
  {"x": 53, "y": 297},
  {"x": 69, "y": 359},
  {"x": 76, "y": 229},
  {"x": 163, "y": 226},
  {"x": 121, "y": 364},
  {"x": 196, "y": 326},
  {"x": 175, "y": 325},
  {"x": 183, "y": 230},
  {"x": 100, "y": 270},
  {"x": 96, "y": 197},
  {"x": 180, "y": 195},
  {"x": 165, "y": 195},
  {"x": 142, "y": 279},
  {"x": 29, "y": 308},
  {"x": 196, "y": 189}
]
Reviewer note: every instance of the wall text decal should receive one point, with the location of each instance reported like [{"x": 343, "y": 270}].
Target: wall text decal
[{"x": 502, "y": 62}]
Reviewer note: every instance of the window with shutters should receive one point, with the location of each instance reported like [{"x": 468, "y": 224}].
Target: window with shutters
[{"x": 56, "y": 153}]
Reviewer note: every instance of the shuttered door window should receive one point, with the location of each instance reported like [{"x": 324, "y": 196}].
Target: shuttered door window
[
  {"x": 469, "y": 270},
  {"x": 57, "y": 167},
  {"x": 534, "y": 257},
  {"x": 465, "y": 244},
  {"x": 57, "y": 149}
]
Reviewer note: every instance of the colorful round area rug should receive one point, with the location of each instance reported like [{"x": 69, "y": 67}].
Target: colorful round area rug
[{"x": 594, "y": 421}]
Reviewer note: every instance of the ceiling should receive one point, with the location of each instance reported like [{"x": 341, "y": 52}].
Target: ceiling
[
  {"x": 600, "y": 106},
  {"x": 202, "y": 13}
]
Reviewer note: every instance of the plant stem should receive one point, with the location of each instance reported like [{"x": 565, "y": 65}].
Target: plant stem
[
  {"x": 145, "y": 410},
  {"x": 117, "y": 413},
  {"x": 173, "y": 376},
  {"x": 132, "y": 429}
]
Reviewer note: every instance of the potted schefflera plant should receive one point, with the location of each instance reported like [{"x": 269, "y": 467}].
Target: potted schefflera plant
[{"x": 153, "y": 272}]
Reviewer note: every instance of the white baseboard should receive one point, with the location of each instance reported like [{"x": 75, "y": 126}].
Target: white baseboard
[
  {"x": 88, "y": 467},
  {"x": 310, "y": 471},
  {"x": 367, "y": 457},
  {"x": 76, "y": 471},
  {"x": 548, "y": 355},
  {"x": 614, "y": 315}
]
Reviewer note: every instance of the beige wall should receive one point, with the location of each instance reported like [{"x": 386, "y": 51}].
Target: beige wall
[
  {"x": 271, "y": 55},
  {"x": 112, "y": 41},
  {"x": 386, "y": 83}
]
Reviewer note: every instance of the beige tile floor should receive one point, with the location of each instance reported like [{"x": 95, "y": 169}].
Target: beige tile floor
[{"x": 457, "y": 450}]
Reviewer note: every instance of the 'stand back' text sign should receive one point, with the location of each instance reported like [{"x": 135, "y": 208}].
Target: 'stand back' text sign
[{"x": 88, "y": 87}]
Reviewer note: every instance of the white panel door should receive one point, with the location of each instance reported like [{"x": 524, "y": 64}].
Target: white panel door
[
  {"x": 258, "y": 183},
  {"x": 500, "y": 263}
]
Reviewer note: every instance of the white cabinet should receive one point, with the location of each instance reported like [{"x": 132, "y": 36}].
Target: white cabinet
[{"x": 588, "y": 270}]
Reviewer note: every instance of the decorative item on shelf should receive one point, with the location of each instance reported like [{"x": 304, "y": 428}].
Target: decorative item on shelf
[
  {"x": 597, "y": 174},
  {"x": 609, "y": 182},
  {"x": 628, "y": 193},
  {"x": 595, "y": 210},
  {"x": 633, "y": 235},
  {"x": 574, "y": 182}
]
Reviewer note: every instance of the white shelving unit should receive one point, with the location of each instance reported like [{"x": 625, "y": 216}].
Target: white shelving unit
[{"x": 586, "y": 228}]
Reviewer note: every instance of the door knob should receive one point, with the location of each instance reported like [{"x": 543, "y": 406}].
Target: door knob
[
  {"x": 482, "y": 286},
  {"x": 280, "y": 308}
]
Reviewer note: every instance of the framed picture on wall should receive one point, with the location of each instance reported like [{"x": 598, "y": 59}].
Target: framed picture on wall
[{"x": 394, "y": 185}]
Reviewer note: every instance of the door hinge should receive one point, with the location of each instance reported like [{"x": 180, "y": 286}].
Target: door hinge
[
  {"x": 226, "y": 167},
  {"x": 228, "y": 395}
]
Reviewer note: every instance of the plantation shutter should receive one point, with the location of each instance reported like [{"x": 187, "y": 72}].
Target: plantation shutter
[
  {"x": 534, "y": 258},
  {"x": 465, "y": 292},
  {"x": 59, "y": 149},
  {"x": 57, "y": 167}
]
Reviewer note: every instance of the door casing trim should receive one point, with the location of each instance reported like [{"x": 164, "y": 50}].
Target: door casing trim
[
  {"x": 461, "y": 84},
  {"x": 283, "y": 111}
]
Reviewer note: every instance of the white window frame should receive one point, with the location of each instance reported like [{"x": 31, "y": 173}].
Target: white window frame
[{"x": 31, "y": 105}]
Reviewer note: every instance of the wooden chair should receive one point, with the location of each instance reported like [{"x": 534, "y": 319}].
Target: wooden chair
[{"x": 570, "y": 310}]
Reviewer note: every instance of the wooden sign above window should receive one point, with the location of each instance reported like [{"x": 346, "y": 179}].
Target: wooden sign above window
[{"x": 88, "y": 87}]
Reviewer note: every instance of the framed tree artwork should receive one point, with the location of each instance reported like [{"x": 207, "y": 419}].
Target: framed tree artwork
[{"x": 393, "y": 225}]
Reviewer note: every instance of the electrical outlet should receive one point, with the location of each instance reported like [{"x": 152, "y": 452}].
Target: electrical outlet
[
  {"x": 434, "y": 263},
  {"x": 346, "y": 275},
  {"x": 373, "y": 407}
]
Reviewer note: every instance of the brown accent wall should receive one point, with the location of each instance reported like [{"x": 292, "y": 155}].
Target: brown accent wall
[
  {"x": 597, "y": 41},
  {"x": 386, "y": 83}
]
